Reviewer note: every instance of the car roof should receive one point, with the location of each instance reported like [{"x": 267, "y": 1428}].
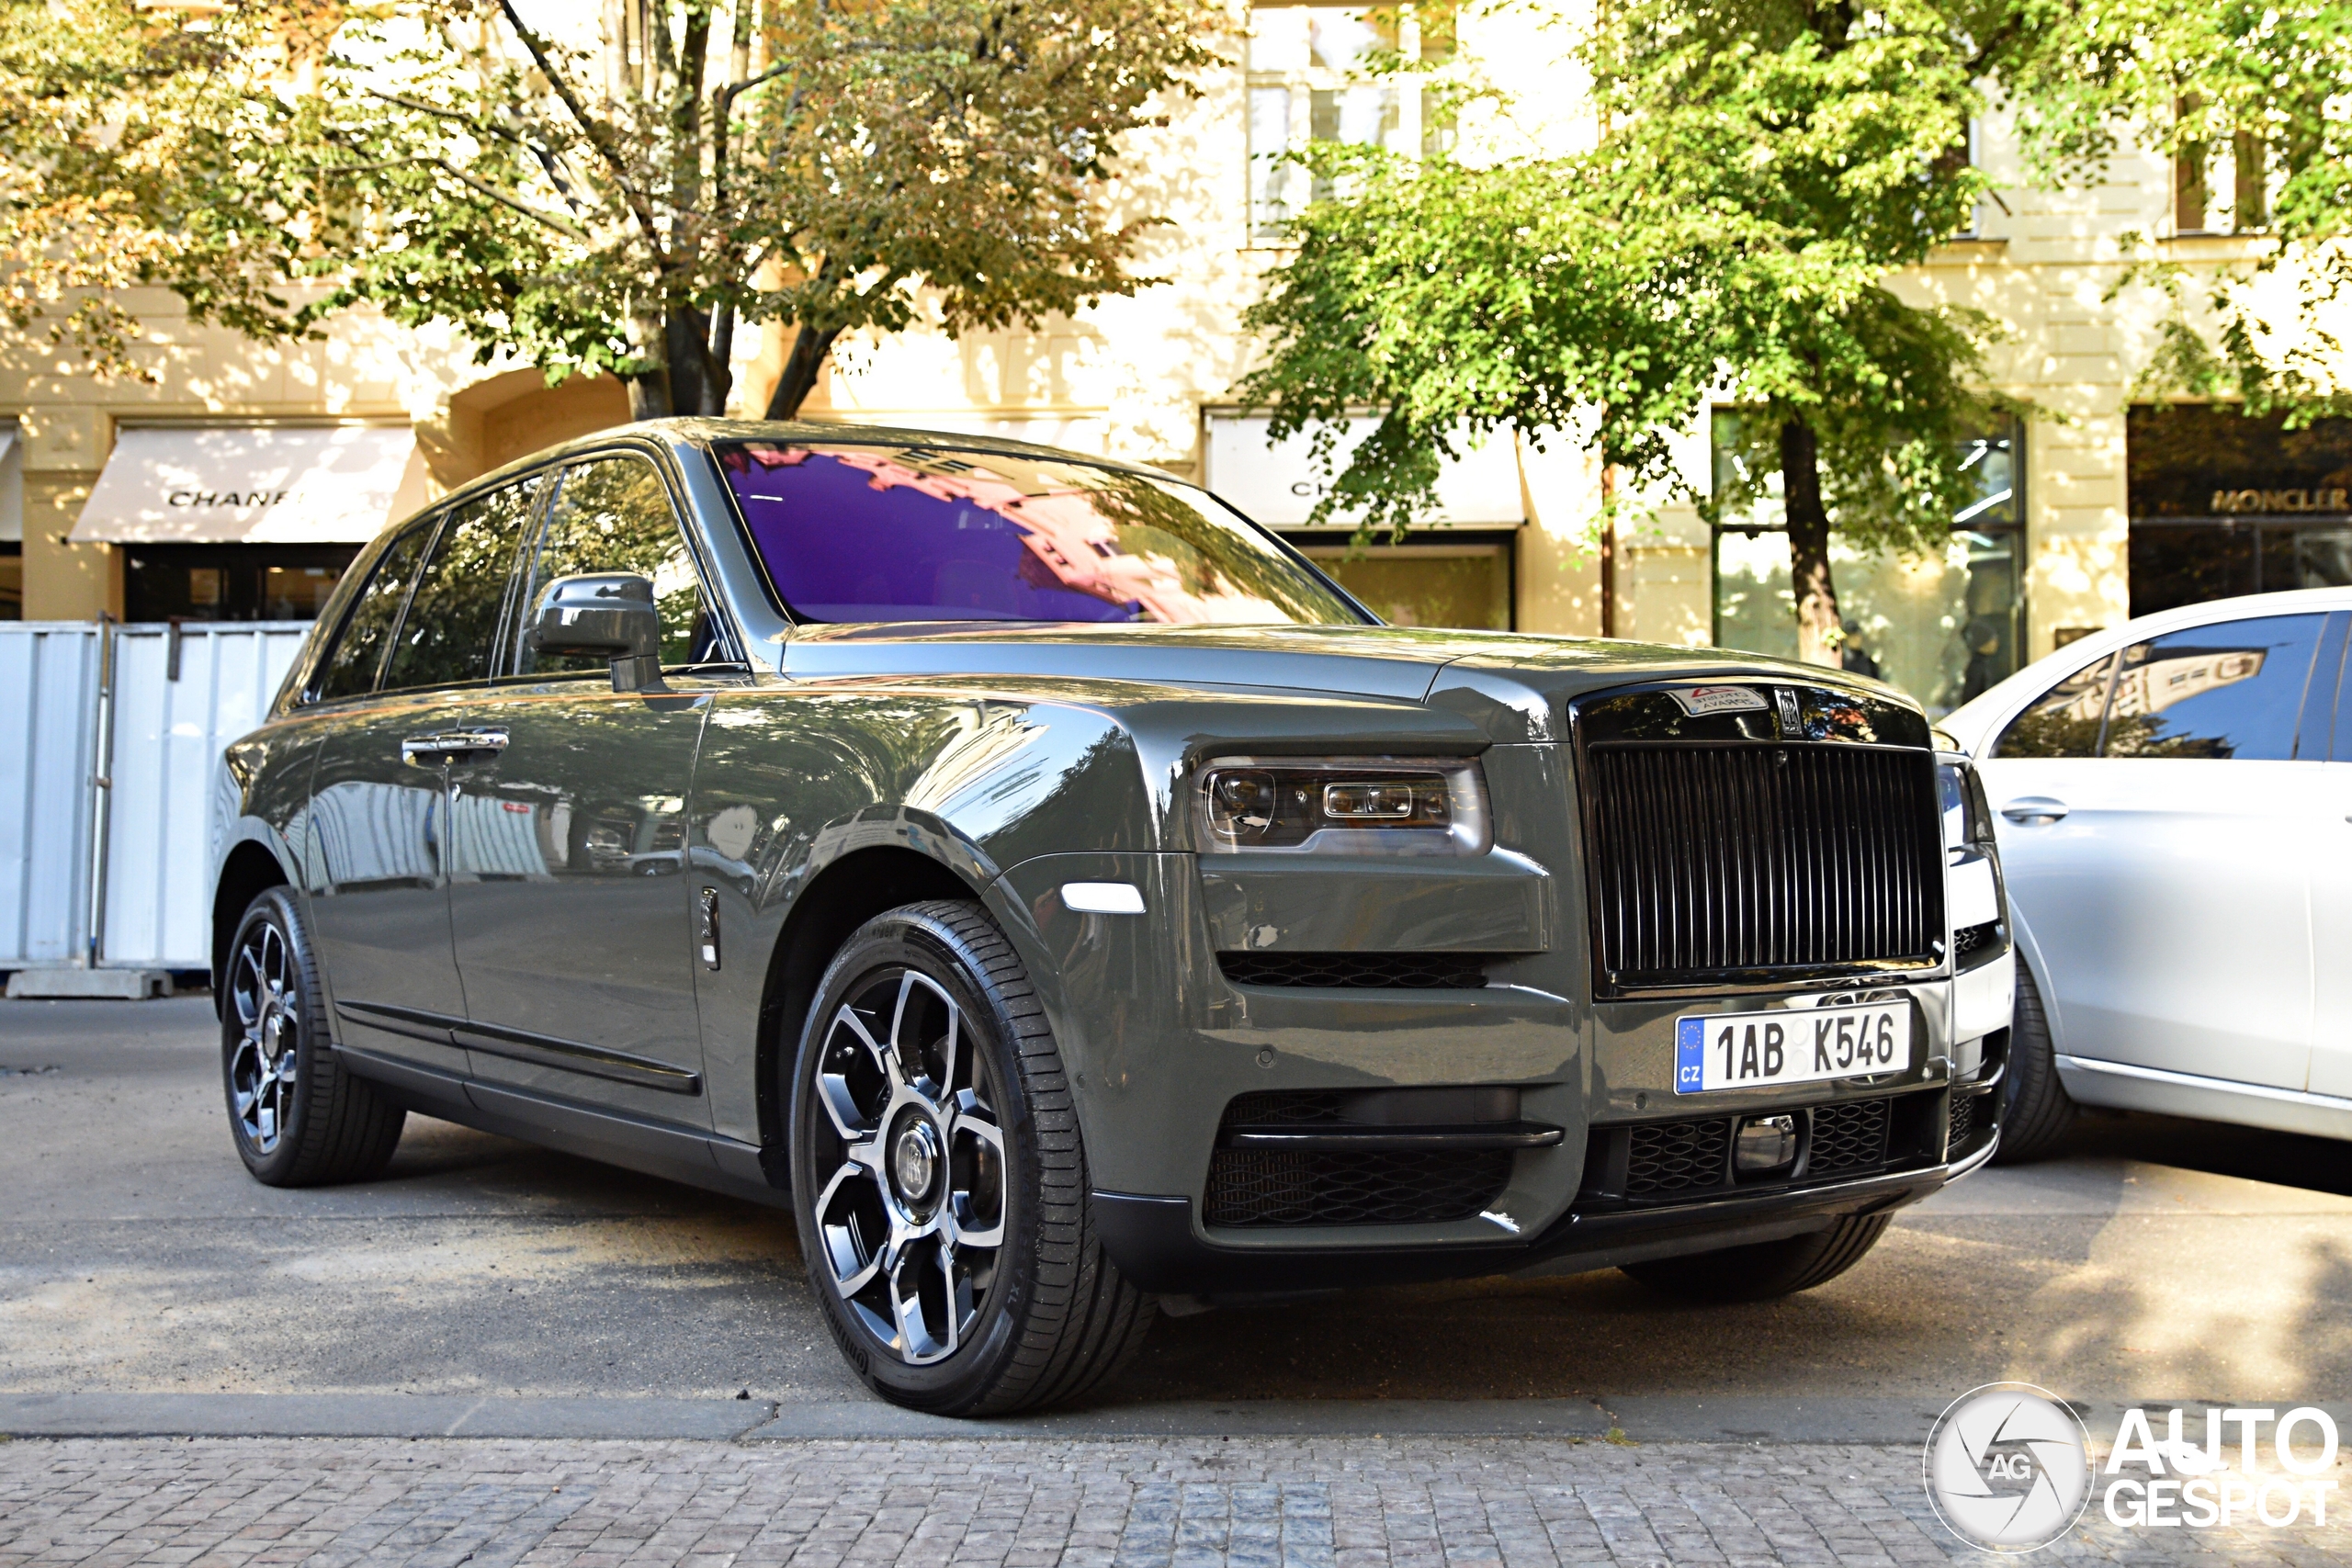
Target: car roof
[{"x": 1973, "y": 722}]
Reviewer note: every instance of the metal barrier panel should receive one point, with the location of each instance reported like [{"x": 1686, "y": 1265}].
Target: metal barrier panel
[
  {"x": 48, "y": 678},
  {"x": 170, "y": 727}
]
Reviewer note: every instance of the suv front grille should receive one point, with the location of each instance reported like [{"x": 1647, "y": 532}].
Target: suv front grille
[
  {"x": 1758, "y": 860},
  {"x": 1364, "y": 971}
]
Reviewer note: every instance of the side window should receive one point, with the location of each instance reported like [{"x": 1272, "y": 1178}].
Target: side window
[
  {"x": 350, "y": 666},
  {"x": 450, "y": 632},
  {"x": 613, "y": 514},
  {"x": 2234, "y": 690},
  {"x": 2065, "y": 722}
]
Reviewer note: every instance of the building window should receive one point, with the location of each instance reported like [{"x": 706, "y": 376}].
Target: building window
[
  {"x": 1944, "y": 627},
  {"x": 12, "y": 525},
  {"x": 1463, "y": 580},
  {"x": 1307, "y": 84},
  {"x": 230, "y": 583},
  {"x": 2222, "y": 504},
  {"x": 2203, "y": 171}
]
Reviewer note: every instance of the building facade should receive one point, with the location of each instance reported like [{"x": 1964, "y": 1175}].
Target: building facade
[{"x": 236, "y": 482}]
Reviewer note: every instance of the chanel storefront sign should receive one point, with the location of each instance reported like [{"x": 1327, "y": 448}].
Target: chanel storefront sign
[{"x": 253, "y": 484}]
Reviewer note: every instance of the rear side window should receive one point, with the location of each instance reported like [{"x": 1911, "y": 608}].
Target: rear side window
[
  {"x": 2065, "y": 722},
  {"x": 450, "y": 635},
  {"x": 350, "y": 666},
  {"x": 2231, "y": 691},
  {"x": 613, "y": 514}
]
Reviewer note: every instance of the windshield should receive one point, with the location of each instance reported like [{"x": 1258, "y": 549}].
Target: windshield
[{"x": 922, "y": 533}]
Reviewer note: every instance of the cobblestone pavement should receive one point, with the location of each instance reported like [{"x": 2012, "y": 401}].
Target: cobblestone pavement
[{"x": 1350, "y": 1503}]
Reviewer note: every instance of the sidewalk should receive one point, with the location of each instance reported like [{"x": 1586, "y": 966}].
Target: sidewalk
[{"x": 1188, "y": 1503}]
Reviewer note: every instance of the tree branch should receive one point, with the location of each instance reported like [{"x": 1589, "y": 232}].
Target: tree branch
[
  {"x": 481, "y": 128},
  {"x": 488, "y": 192},
  {"x": 599, "y": 134}
]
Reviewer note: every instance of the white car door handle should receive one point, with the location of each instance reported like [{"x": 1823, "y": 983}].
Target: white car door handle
[{"x": 2034, "y": 808}]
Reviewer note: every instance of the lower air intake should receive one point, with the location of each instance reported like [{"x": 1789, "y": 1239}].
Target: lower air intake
[
  {"x": 1848, "y": 1136},
  {"x": 1358, "y": 971},
  {"x": 1677, "y": 1157},
  {"x": 1264, "y": 1187}
]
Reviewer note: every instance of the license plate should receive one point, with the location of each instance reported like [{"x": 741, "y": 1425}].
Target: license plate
[{"x": 1742, "y": 1050}]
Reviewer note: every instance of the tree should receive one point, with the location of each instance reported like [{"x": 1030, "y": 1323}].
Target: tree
[
  {"x": 1766, "y": 165},
  {"x": 2261, "y": 87},
  {"x": 118, "y": 122},
  {"x": 625, "y": 198}
]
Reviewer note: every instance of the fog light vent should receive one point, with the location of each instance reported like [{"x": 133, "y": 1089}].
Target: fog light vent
[{"x": 1765, "y": 1143}]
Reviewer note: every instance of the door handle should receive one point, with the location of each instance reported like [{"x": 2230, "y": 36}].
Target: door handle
[
  {"x": 2034, "y": 808},
  {"x": 450, "y": 745}
]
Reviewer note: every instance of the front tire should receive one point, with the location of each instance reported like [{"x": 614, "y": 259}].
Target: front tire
[
  {"x": 1766, "y": 1270},
  {"x": 297, "y": 1118},
  {"x": 2036, "y": 1112},
  {"x": 940, "y": 1179}
]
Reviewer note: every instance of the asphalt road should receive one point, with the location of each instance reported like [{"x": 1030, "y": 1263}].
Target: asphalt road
[{"x": 2161, "y": 1261}]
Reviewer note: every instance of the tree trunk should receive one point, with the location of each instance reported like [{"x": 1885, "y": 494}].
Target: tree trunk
[
  {"x": 649, "y": 394},
  {"x": 809, "y": 346},
  {"x": 695, "y": 380},
  {"x": 1819, "y": 632}
]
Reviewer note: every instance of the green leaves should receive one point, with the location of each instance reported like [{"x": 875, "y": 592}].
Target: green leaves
[
  {"x": 1766, "y": 167},
  {"x": 586, "y": 201}
]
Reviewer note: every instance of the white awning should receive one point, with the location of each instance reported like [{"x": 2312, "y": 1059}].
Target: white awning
[
  {"x": 253, "y": 484},
  {"x": 1278, "y": 486}
]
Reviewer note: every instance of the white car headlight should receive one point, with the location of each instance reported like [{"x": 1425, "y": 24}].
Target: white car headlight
[
  {"x": 1967, "y": 819},
  {"x": 1343, "y": 806}
]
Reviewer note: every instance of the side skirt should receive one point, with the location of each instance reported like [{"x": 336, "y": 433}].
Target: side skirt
[
  {"x": 698, "y": 1159},
  {"x": 2125, "y": 1087}
]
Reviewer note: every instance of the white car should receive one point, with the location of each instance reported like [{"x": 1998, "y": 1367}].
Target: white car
[{"x": 2173, "y": 802}]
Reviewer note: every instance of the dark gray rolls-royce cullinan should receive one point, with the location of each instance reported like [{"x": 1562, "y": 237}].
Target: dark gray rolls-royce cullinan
[{"x": 1068, "y": 900}]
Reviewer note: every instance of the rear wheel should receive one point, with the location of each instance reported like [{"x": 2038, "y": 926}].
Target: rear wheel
[
  {"x": 297, "y": 1118},
  {"x": 1768, "y": 1269},
  {"x": 940, "y": 1179},
  {"x": 2036, "y": 1112}
]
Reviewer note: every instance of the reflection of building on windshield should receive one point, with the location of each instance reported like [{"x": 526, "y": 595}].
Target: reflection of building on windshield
[
  {"x": 1069, "y": 542},
  {"x": 2158, "y": 685}
]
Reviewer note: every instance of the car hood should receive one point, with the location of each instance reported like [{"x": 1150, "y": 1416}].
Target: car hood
[{"x": 1513, "y": 685}]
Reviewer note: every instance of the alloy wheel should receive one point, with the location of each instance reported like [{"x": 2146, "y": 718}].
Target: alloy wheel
[
  {"x": 912, "y": 1217},
  {"x": 263, "y": 1066}
]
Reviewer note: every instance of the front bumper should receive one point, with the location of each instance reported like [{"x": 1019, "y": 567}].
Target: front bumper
[{"x": 1156, "y": 1246}]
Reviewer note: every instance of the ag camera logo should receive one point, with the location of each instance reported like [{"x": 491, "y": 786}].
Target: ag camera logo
[{"x": 2008, "y": 1467}]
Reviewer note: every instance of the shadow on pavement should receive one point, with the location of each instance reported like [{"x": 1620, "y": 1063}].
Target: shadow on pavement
[{"x": 2288, "y": 1159}]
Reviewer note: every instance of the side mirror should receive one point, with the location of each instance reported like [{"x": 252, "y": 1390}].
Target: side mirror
[{"x": 610, "y": 614}]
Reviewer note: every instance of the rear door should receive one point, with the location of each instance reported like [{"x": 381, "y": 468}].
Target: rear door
[
  {"x": 570, "y": 901},
  {"x": 379, "y": 903},
  {"x": 2154, "y": 815}
]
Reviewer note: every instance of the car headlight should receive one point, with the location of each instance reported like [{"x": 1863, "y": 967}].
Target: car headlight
[
  {"x": 1967, "y": 819},
  {"x": 1348, "y": 806}
]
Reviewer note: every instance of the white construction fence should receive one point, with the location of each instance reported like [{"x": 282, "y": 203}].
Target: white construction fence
[{"x": 108, "y": 737}]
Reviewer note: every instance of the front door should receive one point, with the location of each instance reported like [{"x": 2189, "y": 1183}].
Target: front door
[
  {"x": 2331, "y": 868},
  {"x": 2154, "y": 816},
  {"x": 376, "y": 865},
  {"x": 570, "y": 900}
]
